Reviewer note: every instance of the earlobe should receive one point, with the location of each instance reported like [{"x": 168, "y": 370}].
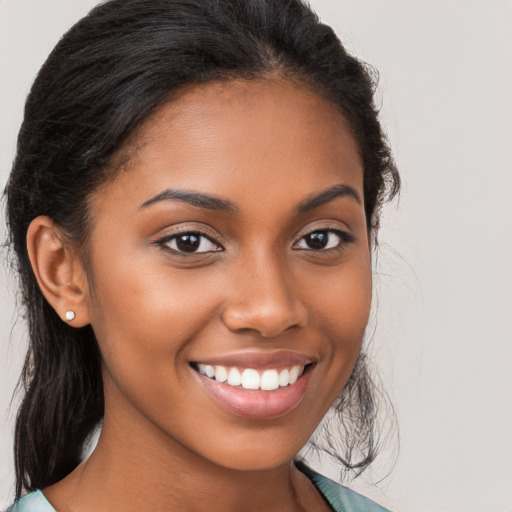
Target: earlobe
[{"x": 59, "y": 271}]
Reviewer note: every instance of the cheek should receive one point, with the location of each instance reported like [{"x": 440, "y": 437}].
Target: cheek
[
  {"x": 144, "y": 316},
  {"x": 342, "y": 307},
  {"x": 342, "y": 299},
  {"x": 144, "y": 338}
]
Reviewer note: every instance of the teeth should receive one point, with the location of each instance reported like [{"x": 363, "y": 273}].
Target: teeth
[
  {"x": 234, "y": 377},
  {"x": 269, "y": 380},
  {"x": 221, "y": 374},
  {"x": 284, "y": 378},
  {"x": 294, "y": 374},
  {"x": 249, "y": 378}
]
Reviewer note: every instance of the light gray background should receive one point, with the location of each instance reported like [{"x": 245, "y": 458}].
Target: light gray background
[{"x": 445, "y": 277}]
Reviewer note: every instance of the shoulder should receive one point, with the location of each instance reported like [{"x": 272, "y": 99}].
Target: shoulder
[
  {"x": 341, "y": 498},
  {"x": 32, "y": 502}
]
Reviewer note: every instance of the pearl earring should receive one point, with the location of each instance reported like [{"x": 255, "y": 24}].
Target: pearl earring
[{"x": 70, "y": 315}]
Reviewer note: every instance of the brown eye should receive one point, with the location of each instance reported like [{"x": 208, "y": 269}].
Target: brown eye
[
  {"x": 317, "y": 240},
  {"x": 191, "y": 242},
  {"x": 324, "y": 239},
  {"x": 188, "y": 243}
]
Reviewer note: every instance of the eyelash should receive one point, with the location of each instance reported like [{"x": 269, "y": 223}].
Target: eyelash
[
  {"x": 345, "y": 238},
  {"x": 166, "y": 240}
]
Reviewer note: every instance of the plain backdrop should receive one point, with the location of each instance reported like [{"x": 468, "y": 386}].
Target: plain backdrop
[{"x": 444, "y": 275}]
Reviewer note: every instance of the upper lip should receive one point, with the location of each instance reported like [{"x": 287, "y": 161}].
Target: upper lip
[{"x": 259, "y": 360}]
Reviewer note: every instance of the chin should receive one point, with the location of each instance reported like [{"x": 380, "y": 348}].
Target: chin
[{"x": 262, "y": 451}]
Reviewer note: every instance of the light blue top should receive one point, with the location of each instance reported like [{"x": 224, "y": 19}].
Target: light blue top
[
  {"x": 33, "y": 502},
  {"x": 341, "y": 498}
]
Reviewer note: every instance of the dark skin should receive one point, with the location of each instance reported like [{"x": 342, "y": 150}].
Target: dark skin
[{"x": 283, "y": 267}]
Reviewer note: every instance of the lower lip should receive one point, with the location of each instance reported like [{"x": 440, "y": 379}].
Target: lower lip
[{"x": 257, "y": 404}]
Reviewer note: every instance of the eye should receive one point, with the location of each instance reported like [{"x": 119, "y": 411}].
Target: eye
[
  {"x": 190, "y": 242},
  {"x": 324, "y": 239}
]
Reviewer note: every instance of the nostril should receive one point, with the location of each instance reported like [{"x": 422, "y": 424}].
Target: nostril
[{"x": 267, "y": 322}]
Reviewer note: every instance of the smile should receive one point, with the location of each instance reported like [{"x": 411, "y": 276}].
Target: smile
[
  {"x": 256, "y": 386},
  {"x": 250, "y": 378}
]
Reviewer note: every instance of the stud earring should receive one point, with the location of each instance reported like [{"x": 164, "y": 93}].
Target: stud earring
[{"x": 70, "y": 315}]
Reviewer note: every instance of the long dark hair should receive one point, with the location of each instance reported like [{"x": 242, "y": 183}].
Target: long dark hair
[{"x": 104, "y": 77}]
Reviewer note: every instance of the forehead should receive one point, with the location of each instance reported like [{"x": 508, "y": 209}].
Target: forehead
[{"x": 241, "y": 138}]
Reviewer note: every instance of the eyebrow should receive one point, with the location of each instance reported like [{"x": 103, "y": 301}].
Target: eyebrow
[
  {"x": 226, "y": 206},
  {"x": 316, "y": 200},
  {"x": 195, "y": 199}
]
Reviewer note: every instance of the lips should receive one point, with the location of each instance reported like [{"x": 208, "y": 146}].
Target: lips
[{"x": 256, "y": 386}]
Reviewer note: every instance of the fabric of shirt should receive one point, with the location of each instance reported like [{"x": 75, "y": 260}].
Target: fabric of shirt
[{"x": 341, "y": 498}]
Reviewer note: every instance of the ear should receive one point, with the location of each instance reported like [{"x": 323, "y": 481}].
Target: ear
[{"x": 58, "y": 270}]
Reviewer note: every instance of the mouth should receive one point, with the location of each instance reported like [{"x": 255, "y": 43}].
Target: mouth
[
  {"x": 255, "y": 392},
  {"x": 251, "y": 378}
]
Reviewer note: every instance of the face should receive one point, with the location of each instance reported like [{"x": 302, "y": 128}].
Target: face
[{"x": 229, "y": 273}]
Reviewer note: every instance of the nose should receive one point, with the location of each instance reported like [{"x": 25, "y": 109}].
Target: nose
[{"x": 263, "y": 301}]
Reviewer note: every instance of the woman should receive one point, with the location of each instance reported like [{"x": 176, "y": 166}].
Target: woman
[{"x": 193, "y": 205}]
